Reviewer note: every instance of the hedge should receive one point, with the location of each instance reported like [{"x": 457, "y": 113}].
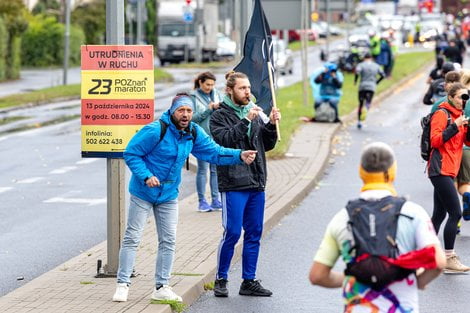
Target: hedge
[{"x": 43, "y": 42}]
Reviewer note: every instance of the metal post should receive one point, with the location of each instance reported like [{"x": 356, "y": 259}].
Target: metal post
[
  {"x": 237, "y": 27},
  {"x": 140, "y": 23},
  {"x": 66, "y": 41},
  {"x": 116, "y": 171},
  {"x": 328, "y": 20},
  {"x": 198, "y": 29},
  {"x": 348, "y": 21},
  {"x": 304, "y": 47}
]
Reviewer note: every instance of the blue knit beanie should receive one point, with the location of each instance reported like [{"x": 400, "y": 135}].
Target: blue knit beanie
[{"x": 179, "y": 101}]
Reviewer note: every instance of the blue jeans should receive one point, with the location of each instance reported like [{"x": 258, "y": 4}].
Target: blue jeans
[
  {"x": 201, "y": 179},
  {"x": 166, "y": 219}
]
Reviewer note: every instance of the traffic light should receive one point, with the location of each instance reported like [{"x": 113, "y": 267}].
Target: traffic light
[{"x": 188, "y": 2}]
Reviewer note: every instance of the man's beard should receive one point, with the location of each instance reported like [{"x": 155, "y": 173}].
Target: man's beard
[{"x": 241, "y": 101}]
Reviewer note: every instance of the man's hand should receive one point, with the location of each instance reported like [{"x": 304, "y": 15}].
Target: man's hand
[
  {"x": 248, "y": 156},
  {"x": 152, "y": 182},
  {"x": 253, "y": 113},
  {"x": 275, "y": 115}
]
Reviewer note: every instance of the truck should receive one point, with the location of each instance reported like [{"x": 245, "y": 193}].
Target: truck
[{"x": 181, "y": 24}]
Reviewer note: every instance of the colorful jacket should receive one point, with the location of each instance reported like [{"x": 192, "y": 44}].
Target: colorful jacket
[
  {"x": 147, "y": 156},
  {"x": 447, "y": 141}
]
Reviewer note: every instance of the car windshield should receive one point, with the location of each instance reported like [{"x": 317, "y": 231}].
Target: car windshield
[{"x": 176, "y": 30}]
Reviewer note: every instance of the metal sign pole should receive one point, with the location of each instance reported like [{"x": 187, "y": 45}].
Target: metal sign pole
[
  {"x": 116, "y": 170},
  {"x": 67, "y": 41}
]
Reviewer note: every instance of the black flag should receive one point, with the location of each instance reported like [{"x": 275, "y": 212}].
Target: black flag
[{"x": 257, "y": 52}]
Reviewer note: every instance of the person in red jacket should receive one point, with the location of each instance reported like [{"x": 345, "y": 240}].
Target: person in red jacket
[{"x": 448, "y": 134}]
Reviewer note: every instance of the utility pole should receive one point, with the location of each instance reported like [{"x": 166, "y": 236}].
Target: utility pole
[
  {"x": 116, "y": 171},
  {"x": 140, "y": 23},
  {"x": 304, "y": 51},
  {"x": 66, "y": 41},
  {"x": 198, "y": 30}
]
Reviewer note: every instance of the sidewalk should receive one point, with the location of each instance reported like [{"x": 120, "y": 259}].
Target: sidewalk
[{"x": 71, "y": 287}]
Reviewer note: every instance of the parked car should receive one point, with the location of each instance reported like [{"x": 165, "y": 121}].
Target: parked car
[
  {"x": 226, "y": 48},
  {"x": 283, "y": 60},
  {"x": 321, "y": 29}
]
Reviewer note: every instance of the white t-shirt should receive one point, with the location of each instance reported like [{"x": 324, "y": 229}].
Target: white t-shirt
[{"x": 412, "y": 234}]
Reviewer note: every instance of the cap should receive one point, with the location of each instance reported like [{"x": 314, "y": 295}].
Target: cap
[{"x": 447, "y": 67}]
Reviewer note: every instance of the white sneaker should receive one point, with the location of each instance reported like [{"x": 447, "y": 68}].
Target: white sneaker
[
  {"x": 165, "y": 293},
  {"x": 122, "y": 290}
]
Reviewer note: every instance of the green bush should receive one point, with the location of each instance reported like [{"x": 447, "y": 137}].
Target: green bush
[
  {"x": 3, "y": 49},
  {"x": 43, "y": 42}
]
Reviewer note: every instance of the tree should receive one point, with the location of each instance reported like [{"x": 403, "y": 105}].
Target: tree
[
  {"x": 14, "y": 14},
  {"x": 91, "y": 17}
]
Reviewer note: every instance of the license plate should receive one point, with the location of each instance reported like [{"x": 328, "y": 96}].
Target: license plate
[{"x": 177, "y": 52}]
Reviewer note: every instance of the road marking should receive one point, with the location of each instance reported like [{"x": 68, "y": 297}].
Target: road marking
[
  {"x": 89, "y": 202},
  {"x": 87, "y": 161},
  {"x": 3, "y": 189},
  {"x": 63, "y": 170},
  {"x": 30, "y": 180}
]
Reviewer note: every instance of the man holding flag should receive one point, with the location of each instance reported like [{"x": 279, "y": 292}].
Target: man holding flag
[{"x": 240, "y": 123}]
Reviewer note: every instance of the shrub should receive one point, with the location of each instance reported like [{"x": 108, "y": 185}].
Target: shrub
[
  {"x": 3, "y": 49},
  {"x": 43, "y": 42}
]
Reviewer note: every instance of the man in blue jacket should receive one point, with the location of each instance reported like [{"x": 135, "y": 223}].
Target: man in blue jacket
[{"x": 155, "y": 161}]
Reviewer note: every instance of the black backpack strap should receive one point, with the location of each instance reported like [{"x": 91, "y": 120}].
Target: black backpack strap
[{"x": 163, "y": 127}]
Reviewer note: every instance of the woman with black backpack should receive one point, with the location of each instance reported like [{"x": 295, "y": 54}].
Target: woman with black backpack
[{"x": 447, "y": 139}]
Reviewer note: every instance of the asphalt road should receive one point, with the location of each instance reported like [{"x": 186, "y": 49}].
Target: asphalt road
[{"x": 287, "y": 251}]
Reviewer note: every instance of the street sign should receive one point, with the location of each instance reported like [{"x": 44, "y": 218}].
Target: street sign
[
  {"x": 117, "y": 94},
  {"x": 188, "y": 17}
]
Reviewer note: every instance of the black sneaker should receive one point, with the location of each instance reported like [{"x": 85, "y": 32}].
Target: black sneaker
[
  {"x": 251, "y": 287},
  {"x": 220, "y": 288}
]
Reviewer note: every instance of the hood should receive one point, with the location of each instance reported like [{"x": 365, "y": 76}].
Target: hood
[{"x": 453, "y": 110}]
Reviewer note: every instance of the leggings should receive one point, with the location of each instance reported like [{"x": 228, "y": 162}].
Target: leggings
[
  {"x": 364, "y": 96},
  {"x": 446, "y": 201}
]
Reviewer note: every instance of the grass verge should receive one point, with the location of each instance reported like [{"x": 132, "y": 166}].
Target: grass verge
[
  {"x": 208, "y": 65},
  {"x": 297, "y": 45},
  {"x": 175, "y": 305},
  {"x": 47, "y": 94},
  {"x": 289, "y": 99},
  {"x": 12, "y": 119}
]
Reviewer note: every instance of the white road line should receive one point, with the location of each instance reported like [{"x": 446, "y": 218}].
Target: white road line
[
  {"x": 87, "y": 161},
  {"x": 63, "y": 170},
  {"x": 30, "y": 180},
  {"x": 89, "y": 202},
  {"x": 3, "y": 189}
]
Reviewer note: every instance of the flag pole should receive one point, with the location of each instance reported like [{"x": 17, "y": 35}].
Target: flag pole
[
  {"x": 270, "y": 69},
  {"x": 273, "y": 95}
]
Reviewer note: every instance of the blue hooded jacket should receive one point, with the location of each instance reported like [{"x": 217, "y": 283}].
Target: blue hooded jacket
[
  {"x": 147, "y": 156},
  {"x": 318, "y": 91}
]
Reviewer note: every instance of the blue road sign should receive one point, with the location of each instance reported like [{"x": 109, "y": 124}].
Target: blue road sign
[{"x": 188, "y": 16}]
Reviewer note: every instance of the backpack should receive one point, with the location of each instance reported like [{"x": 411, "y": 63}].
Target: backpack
[
  {"x": 324, "y": 113},
  {"x": 163, "y": 128},
  {"x": 426, "y": 133},
  {"x": 374, "y": 228}
]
